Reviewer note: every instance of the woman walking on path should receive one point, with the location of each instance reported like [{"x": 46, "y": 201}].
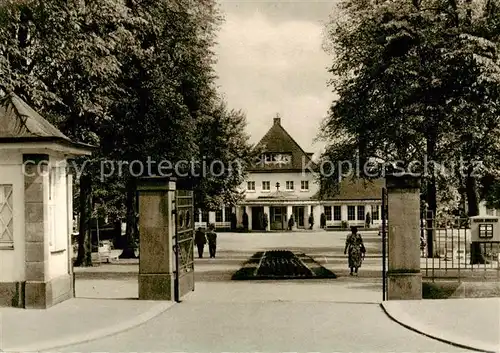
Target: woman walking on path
[{"x": 356, "y": 250}]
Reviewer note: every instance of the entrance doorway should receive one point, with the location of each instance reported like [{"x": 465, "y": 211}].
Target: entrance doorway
[
  {"x": 278, "y": 218},
  {"x": 258, "y": 218},
  {"x": 299, "y": 214}
]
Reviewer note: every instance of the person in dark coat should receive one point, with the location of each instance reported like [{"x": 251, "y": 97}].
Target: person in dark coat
[
  {"x": 355, "y": 249},
  {"x": 265, "y": 221},
  {"x": 234, "y": 221},
  {"x": 311, "y": 221},
  {"x": 245, "y": 221},
  {"x": 212, "y": 240},
  {"x": 323, "y": 220},
  {"x": 200, "y": 240},
  {"x": 291, "y": 223},
  {"x": 368, "y": 220}
]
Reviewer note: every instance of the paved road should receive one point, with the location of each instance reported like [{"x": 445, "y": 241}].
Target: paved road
[
  {"x": 341, "y": 315},
  {"x": 272, "y": 317}
]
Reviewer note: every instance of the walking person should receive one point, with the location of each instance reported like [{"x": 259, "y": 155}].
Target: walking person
[
  {"x": 423, "y": 244},
  {"x": 355, "y": 249},
  {"x": 212, "y": 240},
  {"x": 200, "y": 240},
  {"x": 291, "y": 223}
]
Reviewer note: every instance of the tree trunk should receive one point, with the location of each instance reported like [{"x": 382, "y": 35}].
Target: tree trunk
[
  {"x": 131, "y": 228},
  {"x": 431, "y": 196},
  {"x": 476, "y": 256},
  {"x": 431, "y": 215},
  {"x": 472, "y": 197},
  {"x": 117, "y": 225},
  {"x": 84, "y": 257}
]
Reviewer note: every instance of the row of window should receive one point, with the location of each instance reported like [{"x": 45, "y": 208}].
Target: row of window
[
  {"x": 486, "y": 231},
  {"x": 354, "y": 213},
  {"x": 289, "y": 185}
]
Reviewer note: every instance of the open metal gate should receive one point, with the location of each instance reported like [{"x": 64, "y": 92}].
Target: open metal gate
[
  {"x": 384, "y": 212},
  {"x": 183, "y": 243}
]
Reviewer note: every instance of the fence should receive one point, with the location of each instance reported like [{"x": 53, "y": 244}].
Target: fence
[{"x": 451, "y": 249}]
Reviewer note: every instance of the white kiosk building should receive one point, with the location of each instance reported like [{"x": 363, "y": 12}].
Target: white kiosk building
[{"x": 36, "y": 208}]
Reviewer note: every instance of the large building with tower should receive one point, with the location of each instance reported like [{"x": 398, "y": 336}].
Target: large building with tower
[{"x": 280, "y": 185}]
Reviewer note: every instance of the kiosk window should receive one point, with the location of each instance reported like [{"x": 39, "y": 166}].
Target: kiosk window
[{"x": 486, "y": 231}]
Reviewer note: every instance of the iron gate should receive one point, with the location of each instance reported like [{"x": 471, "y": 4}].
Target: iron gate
[
  {"x": 453, "y": 256},
  {"x": 384, "y": 242},
  {"x": 183, "y": 243}
]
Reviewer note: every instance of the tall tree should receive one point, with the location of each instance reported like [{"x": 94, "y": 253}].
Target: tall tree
[
  {"x": 409, "y": 74},
  {"x": 60, "y": 57},
  {"x": 135, "y": 79}
]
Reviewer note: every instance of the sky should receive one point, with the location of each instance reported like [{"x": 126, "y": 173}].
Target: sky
[{"x": 271, "y": 61}]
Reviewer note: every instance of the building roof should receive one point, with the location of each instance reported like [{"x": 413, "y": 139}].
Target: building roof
[
  {"x": 278, "y": 141},
  {"x": 357, "y": 189},
  {"x": 18, "y": 119},
  {"x": 20, "y": 123}
]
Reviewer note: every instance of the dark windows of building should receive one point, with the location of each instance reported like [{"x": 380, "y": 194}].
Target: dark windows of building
[
  {"x": 227, "y": 213},
  {"x": 289, "y": 185},
  {"x": 361, "y": 213},
  {"x": 351, "y": 213},
  {"x": 304, "y": 185},
  {"x": 218, "y": 215},
  {"x": 204, "y": 216},
  {"x": 486, "y": 231},
  {"x": 337, "y": 215},
  {"x": 277, "y": 214},
  {"x": 375, "y": 212},
  {"x": 251, "y": 186},
  {"x": 266, "y": 185},
  {"x": 328, "y": 213},
  {"x": 277, "y": 159}
]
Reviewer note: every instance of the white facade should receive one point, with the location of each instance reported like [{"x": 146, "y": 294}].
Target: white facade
[
  {"x": 59, "y": 216},
  {"x": 279, "y": 189},
  {"x": 279, "y": 195},
  {"x": 299, "y": 202},
  {"x": 354, "y": 212},
  {"x": 297, "y": 178}
]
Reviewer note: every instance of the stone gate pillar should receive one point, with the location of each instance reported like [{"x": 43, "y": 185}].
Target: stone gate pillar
[
  {"x": 156, "y": 231},
  {"x": 403, "y": 275}
]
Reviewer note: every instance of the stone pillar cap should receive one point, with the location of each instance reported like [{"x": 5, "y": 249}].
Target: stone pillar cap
[
  {"x": 401, "y": 180},
  {"x": 163, "y": 183},
  {"x": 155, "y": 183}
]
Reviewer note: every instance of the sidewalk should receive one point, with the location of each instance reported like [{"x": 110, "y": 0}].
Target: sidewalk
[
  {"x": 73, "y": 321},
  {"x": 469, "y": 323}
]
